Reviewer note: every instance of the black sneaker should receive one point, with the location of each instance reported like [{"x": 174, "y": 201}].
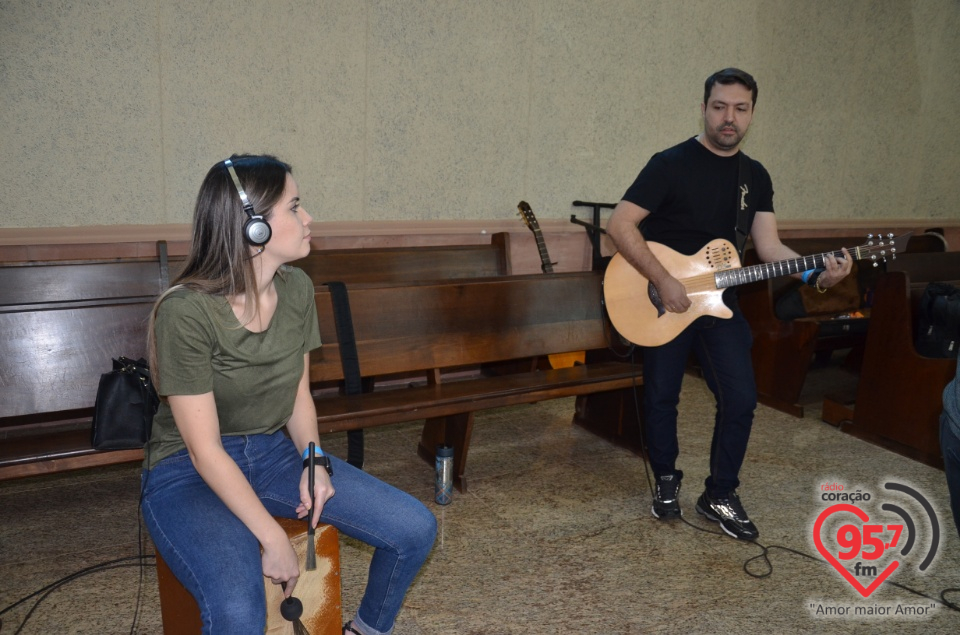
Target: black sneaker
[
  {"x": 729, "y": 513},
  {"x": 666, "y": 496}
]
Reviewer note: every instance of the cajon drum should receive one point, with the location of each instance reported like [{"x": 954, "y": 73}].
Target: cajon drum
[{"x": 318, "y": 590}]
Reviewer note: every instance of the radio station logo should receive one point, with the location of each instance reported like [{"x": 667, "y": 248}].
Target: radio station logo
[{"x": 866, "y": 545}]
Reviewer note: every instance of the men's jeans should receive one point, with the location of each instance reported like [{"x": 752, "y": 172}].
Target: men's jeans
[
  {"x": 217, "y": 558},
  {"x": 722, "y": 347}
]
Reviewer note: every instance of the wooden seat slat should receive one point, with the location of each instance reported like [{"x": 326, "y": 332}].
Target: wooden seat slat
[{"x": 423, "y": 402}]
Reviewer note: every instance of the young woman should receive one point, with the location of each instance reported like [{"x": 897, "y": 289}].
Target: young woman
[{"x": 229, "y": 345}]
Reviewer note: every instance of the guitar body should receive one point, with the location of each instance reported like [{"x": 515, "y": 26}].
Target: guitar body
[{"x": 632, "y": 303}]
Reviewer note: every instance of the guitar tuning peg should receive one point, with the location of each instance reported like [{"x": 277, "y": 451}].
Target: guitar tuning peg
[{"x": 869, "y": 236}]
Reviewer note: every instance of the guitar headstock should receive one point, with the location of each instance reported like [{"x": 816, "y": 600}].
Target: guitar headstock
[
  {"x": 526, "y": 215},
  {"x": 880, "y": 247}
]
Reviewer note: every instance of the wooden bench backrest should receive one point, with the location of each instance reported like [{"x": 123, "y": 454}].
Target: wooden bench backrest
[
  {"x": 64, "y": 321},
  {"x": 59, "y": 282},
  {"x": 810, "y": 246},
  {"x": 864, "y": 274},
  {"x": 916, "y": 243},
  {"x": 447, "y": 324},
  {"x": 898, "y": 293},
  {"x": 408, "y": 264},
  {"x": 928, "y": 267},
  {"x": 53, "y": 358},
  {"x": 44, "y": 282},
  {"x": 898, "y": 396},
  {"x": 918, "y": 270}
]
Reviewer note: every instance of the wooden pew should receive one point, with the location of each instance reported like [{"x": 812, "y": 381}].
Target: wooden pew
[
  {"x": 784, "y": 349},
  {"x": 899, "y": 395},
  {"x": 409, "y": 264},
  {"x": 62, "y": 323},
  {"x": 441, "y": 325},
  {"x": 51, "y": 359},
  {"x": 66, "y": 319}
]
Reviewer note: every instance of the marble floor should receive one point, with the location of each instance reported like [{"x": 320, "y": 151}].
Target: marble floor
[{"x": 554, "y": 535}]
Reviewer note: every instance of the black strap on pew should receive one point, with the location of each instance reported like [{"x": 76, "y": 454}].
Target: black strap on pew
[
  {"x": 350, "y": 361},
  {"x": 164, "y": 265}
]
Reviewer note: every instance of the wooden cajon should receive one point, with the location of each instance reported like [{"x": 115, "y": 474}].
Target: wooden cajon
[{"x": 318, "y": 590}]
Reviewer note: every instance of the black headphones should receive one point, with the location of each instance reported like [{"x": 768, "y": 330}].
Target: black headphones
[{"x": 255, "y": 229}]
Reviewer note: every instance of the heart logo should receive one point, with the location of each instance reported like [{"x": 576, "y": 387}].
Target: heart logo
[{"x": 863, "y": 516}]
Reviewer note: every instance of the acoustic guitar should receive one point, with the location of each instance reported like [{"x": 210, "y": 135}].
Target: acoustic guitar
[
  {"x": 635, "y": 308},
  {"x": 526, "y": 214},
  {"x": 557, "y": 360}
]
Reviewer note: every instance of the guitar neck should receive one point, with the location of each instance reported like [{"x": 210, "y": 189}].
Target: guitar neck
[
  {"x": 531, "y": 222},
  {"x": 545, "y": 265},
  {"x": 767, "y": 270}
]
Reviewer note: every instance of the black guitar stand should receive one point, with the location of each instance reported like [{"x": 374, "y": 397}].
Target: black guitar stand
[{"x": 594, "y": 230}]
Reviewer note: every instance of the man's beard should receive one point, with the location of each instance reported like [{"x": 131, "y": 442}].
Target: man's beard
[{"x": 724, "y": 141}]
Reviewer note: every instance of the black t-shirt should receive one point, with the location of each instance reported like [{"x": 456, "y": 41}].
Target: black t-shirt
[{"x": 693, "y": 195}]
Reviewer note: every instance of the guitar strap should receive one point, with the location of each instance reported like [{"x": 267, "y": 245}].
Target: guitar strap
[
  {"x": 745, "y": 209},
  {"x": 350, "y": 362}
]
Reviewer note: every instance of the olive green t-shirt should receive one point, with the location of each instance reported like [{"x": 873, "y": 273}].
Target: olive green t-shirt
[{"x": 201, "y": 347}]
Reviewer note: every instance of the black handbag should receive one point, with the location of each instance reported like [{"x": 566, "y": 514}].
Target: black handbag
[{"x": 126, "y": 403}]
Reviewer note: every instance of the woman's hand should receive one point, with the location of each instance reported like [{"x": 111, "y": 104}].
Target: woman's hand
[
  {"x": 279, "y": 561},
  {"x": 323, "y": 491}
]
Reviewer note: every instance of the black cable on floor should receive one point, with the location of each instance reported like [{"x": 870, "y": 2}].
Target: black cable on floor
[
  {"x": 765, "y": 553},
  {"x": 129, "y": 561},
  {"x": 140, "y": 559},
  {"x": 143, "y": 487}
]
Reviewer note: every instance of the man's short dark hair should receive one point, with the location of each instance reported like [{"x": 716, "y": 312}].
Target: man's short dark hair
[{"x": 730, "y": 76}]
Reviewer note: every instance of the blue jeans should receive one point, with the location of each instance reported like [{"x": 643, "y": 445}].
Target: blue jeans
[
  {"x": 722, "y": 347},
  {"x": 950, "y": 448},
  {"x": 217, "y": 559}
]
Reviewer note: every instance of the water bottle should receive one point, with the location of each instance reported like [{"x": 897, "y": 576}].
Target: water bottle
[{"x": 443, "y": 488}]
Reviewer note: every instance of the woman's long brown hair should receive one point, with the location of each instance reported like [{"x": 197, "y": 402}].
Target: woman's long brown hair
[{"x": 220, "y": 261}]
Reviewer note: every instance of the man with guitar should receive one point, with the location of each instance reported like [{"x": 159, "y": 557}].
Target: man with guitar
[{"x": 687, "y": 196}]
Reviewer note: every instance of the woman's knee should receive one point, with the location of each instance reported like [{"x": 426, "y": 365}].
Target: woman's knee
[
  {"x": 418, "y": 531},
  {"x": 426, "y": 526}
]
